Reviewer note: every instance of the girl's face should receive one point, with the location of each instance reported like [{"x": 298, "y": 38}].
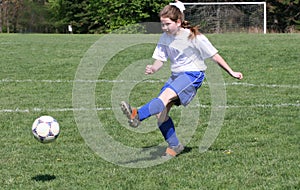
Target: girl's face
[{"x": 169, "y": 26}]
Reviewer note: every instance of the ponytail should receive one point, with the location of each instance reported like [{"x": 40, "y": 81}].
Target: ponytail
[{"x": 194, "y": 29}]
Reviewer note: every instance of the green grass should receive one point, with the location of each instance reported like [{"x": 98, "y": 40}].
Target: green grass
[{"x": 261, "y": 126}]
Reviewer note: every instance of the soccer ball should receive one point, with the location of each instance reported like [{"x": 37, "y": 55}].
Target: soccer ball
[{"x": 45, "y": 129}]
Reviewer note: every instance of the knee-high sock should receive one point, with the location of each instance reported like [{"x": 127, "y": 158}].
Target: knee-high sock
[
  {"x": 168, "y": 131},
  {"x": 153, "y": 107}
]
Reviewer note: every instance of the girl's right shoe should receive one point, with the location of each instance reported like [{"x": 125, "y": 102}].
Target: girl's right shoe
[{"x": 131, "y": 114}]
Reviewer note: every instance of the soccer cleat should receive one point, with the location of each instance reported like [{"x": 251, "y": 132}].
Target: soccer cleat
[
  {"x": 131, "y": 113},
  {"x": 173, "y": 151}
]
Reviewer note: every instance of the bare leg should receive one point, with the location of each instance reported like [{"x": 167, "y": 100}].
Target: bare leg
[
  {"x": 164, "y": 115},
  {"x": 167, "y": 96}
]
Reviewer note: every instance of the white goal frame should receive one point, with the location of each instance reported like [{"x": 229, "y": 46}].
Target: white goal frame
[{"x": 238, "y": 3}]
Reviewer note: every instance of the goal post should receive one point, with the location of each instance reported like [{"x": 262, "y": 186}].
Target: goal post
[{"x": 221, "y": 17}]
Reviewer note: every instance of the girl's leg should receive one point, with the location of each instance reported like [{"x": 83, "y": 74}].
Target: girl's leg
[
  {"x": 156, "y": 105},
  {"x": 166, "y": 126},
  {"x": 153, "y": 107},
  {"x": 167, "y": 129}
]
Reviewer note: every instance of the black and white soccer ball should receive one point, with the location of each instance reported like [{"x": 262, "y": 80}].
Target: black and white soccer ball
[{"x": 45, "y": 129}]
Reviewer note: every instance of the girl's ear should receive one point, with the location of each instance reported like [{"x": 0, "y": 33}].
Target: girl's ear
[{"x": 178, "y": 22}]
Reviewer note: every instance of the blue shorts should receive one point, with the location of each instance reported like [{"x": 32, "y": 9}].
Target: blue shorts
[{"x": 185, "y": 85}]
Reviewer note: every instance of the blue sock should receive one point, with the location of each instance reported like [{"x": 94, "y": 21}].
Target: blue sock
[
  {"x": 168, "y": 131},
  {"x": 153, "y": 107}
]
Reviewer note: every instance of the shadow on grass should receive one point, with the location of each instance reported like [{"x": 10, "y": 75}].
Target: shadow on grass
[
  {"x": 43, "y": 178},
  {"x": 161, "y": 150},
  {"x": 187, "y": 149},
  {"x": 157, "y": 152}
]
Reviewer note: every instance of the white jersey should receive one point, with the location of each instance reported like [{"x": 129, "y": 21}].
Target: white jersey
[{"x": 184, "y": 54}]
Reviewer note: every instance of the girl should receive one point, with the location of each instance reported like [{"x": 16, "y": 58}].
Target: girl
[{"x": 187, "y": 50}]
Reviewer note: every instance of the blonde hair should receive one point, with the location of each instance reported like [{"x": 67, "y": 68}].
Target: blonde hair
[{"x": 173, "y": 13}]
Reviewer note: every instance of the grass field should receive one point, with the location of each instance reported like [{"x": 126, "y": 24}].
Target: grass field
[{"x": 257, "y": 147}]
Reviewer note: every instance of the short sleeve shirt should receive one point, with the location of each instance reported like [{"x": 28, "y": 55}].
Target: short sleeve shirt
[{"x": 184, "y": 54}]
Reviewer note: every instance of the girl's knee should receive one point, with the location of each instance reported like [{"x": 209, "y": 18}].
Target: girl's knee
[{"x": 167, "y": 96}]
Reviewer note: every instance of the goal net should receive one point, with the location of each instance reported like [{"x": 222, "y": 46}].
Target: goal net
[{"x": 227, "y": 17}]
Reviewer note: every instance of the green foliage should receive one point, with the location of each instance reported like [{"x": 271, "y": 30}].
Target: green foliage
[
  {"x": 24, "y": 16},
  {"x": 73, "y": 13},
  {"x": 38, "y": 20},
  {"x": 105, "y": 16},
  {"x": 102, "y": 16},
  {"x": 110, "y": 15},
  {"x": 284, "y": 15}
]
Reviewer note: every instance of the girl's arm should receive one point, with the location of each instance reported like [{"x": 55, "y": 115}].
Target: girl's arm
[
  {"x": 222, "y": 63},
  {"x": 150, "y": 69}
]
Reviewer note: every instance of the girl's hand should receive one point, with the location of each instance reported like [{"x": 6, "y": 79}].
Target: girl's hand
[
  {"x": 149, "y": 70},
  {"x": 237, "y": 75}
]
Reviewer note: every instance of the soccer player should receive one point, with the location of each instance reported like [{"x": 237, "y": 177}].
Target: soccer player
[{"x": 187, "y": 49}]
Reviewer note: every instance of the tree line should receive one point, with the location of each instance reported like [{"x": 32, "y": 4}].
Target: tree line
[{"x": 104, "y": 16}]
